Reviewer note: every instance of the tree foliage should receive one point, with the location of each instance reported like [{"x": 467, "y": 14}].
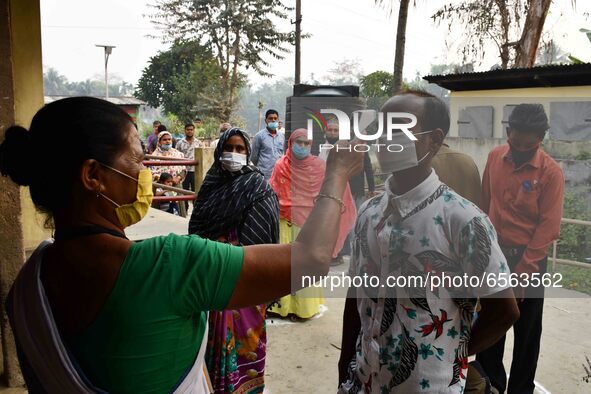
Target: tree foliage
[
  {"x": 514, "y": 26},
  {"x": 185, "y": 81},
  {"x": 345, "y": 72},
  {"x": 551, "y": 53},
  {"x": 56, "y": 84},
  {"x": 377, "y": 84},
  {"x": 483, "y": 22},
  {"x": 271, "y": 95},
  {"x": 241, "y": 34}
]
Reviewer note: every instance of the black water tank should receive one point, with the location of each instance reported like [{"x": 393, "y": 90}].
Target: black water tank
[{"x": 313, "y": 98}]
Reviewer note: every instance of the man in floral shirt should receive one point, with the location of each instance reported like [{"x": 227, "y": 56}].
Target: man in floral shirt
[{"x": 417, "y": 339}]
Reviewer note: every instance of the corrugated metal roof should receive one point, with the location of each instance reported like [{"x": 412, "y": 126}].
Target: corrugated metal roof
[
  {"x": 124, "y": 100},
  {"x": 542, "y": 76}
]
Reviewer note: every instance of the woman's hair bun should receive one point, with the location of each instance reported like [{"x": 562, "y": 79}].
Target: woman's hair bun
[{"x": 15, "y": 155}]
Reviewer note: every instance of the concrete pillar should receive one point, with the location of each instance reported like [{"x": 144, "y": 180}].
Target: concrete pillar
[
  {"x": 21, "y": 95},
  {"x": 204, "y": 157}
]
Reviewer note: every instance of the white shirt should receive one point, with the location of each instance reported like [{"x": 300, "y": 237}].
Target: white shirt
[
  {"x": 414, "y": 340},
  {"x": 188, "y": 150}
]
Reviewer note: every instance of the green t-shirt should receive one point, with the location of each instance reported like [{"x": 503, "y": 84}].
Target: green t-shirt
[{"x": 148, "y": 333}]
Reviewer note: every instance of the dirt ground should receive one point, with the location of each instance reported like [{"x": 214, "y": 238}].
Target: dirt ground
[{"x": 302, "y": 357}]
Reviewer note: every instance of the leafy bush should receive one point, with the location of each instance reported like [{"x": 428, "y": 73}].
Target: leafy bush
[
  {"x": 144, "y": 130},
  {"x": 575, "y": 239},
  {"x": 575, "y": 244}
]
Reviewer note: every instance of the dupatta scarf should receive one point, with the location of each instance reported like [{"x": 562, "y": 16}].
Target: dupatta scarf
[{"x": 297, "y": 184}]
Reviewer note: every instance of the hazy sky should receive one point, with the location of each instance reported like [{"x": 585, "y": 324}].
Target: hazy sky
[{"x": 352, "y": 29}]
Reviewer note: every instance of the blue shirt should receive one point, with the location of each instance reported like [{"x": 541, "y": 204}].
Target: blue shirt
[{"x": 266, "y": 150}]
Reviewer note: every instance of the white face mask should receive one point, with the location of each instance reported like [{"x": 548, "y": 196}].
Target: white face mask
[
  {"x": 233, "y": 161},
  {"x": 399, "y": 159}
]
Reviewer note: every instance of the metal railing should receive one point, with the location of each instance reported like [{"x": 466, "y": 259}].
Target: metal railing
[
  {"x": 184, "y": 195},
  {"x": 152, "y": 160},
  {"x": 156, "y": 157},
  {"x": 573, "y": 263}
]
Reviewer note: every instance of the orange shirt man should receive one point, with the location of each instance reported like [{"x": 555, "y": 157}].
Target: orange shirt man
[
  {"x": 524, "y": 202},
  {"x": 522, "y": 193}
]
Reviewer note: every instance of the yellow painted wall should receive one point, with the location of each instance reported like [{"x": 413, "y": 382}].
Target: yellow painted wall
[
  {"x": 28, "y": 95},
  {"x": 501, "y": 97}
]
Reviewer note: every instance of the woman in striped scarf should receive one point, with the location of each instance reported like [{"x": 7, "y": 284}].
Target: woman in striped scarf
[{"x": 235, "y": 204}]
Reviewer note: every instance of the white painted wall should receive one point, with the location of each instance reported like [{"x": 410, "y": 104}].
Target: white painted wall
[{"x": 499, "y": 98}]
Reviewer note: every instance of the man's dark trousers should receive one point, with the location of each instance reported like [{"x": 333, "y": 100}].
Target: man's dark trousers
[
  {"x": 189, "y": 184},
  {"x": 526, "y": 348},
  {"x": 189, "y": 181}
]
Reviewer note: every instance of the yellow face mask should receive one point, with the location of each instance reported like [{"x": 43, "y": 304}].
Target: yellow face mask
[{"x": 129, "y": 214}]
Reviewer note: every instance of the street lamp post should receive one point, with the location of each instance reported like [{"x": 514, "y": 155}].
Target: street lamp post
[{"x": 108, "y": 49}]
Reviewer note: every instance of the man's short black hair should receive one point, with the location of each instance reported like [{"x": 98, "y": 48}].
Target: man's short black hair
[
  {"x": 529, "y": 118},
  {"x": 271, "y": 112},
  {"x": 436, "y": 113},
  {"x": 187, "y": 125},
  {"x": 198, "y": 120},
  {"x": 156, "y": 123}
]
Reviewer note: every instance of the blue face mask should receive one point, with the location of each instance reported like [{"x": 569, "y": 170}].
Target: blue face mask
[
  {"x": 166, "y": 146},
  {"x": 273, "y": 125},
  {"x": 300, "y": 152}
]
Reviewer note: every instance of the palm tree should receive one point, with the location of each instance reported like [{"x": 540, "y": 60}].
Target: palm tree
[
  {"x": 54, "y": 83},
  {"x": 400, "y": 41}
]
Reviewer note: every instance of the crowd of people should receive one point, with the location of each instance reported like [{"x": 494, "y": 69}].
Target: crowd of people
[
  {"x": 161, "y": 143},
  {"x": 147, "y": 316}
]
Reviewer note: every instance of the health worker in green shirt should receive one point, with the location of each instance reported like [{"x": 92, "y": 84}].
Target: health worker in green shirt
[{"x": 93, "y": 312}]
